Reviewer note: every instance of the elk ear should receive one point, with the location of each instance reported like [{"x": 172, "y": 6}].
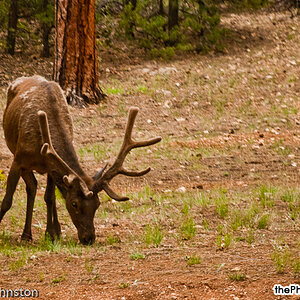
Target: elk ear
[
  {"x": 68, "y": 179},
  {"x": 98, "y": 175}
]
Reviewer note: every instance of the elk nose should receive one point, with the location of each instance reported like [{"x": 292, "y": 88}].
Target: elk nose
[{"x": 87, "y": 239}]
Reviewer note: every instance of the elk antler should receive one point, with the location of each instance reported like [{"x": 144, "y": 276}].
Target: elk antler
[
  {"x": 54, "y": 161},
  {"x": 102, "y": 183}
]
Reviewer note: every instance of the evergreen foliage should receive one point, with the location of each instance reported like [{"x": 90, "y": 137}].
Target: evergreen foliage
[{"x": 144, "y": 21}]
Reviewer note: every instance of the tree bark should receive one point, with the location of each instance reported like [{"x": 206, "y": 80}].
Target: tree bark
[
  {"x": 46, "y": 30},
  {"x": 12, "y": 26},
  {"x": 173, "y": 14},
  {"x": 76, "y": 65},
  {"x": 161, "y": 7}
]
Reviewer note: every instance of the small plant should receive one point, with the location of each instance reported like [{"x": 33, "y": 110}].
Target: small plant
[
  {"x": 236, "y": 220},
  {"x": 223, "y": 241},
  {"x": 46, "y": 244},
  {"x": 296, "y": 265},
  {"x": 266, "y": 196},
  {"x": 185, "y": 209},
  {"x": 96, "y": 150},
  {"x": 203, "y": 200},
  {"x": 187, "y": 229},
  {"x": 250, "y": 237},
  {"x": 250, "y": 214},
  {"x": 111, "y": 240},
  {"x": 263, "y": 222},
  {"x": 114, "y": 90},
  {"x": 153, "y": 235},
  {"x": 41, "y": 277},
  {"x": 166, "y": 53},
  {"x": 221, "y": 203},
  {"x": 281, "y": 258},
  {"x": 205, "y": 224},
  {"x": 239, "y": 239},
  {"x": 222, "y": 209},
  {"x": 236, "y": 276},
  {"x": 19, "y": 263},
  {"x": 58, "y": 279},
  {"x": 141, "y": 89},
  {"x": 123, "y": 285},
  {"x": 73, "y": 248},
  {"x": 193, "y": 260},
  {"x": 88, "y": 265},
  {"x": 280, "y": 148},
  {"x": 137, "y": 256}
]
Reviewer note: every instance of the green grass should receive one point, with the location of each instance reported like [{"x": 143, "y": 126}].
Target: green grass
[
  {"x": 187, "y": 229},
  {"x": 19, "y": 262},
  {"x": 98, "y": 151},
  {"x": 281, "y": 259},
  {"x": 236, "y": 276},
  {"x": 112, "y": 240},
  {"x": 89, "y": 265},
  {"x": 223, "y": 241},
  {"x": 263, "y": 222},
  {"x": 59, "y": 279},
  {"x": 137, "y": 256},
  {"x": 280, "y": 148},
  {"x": 123, "y": 285},
  {"x": 179, "y": 219},
  {"x": 222, "y": 206},
  {"x": 19, "y": 254},
  {"x": 193, "y": 260},
  {"x": 266, "y": 196},
  {"x": 153, "y": 235}
]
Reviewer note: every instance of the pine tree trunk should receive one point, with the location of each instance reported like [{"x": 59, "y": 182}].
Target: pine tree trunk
[
  {"x": 161, "y": 7},
  {"x": 173, "y": 14},
  {"x": 75, "y": 66},
  {"x": 46, "y": 30},
  {"x": 12, "y": 26}
]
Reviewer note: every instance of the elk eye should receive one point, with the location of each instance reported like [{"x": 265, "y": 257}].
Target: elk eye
[{"x": 74, "y": 204}]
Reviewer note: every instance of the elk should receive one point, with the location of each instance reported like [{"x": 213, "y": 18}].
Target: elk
[{"x": 39, "y": 132}]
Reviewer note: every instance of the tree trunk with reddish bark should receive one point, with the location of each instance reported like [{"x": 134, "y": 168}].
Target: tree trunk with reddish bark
[
  {"x": 12, "y": 26},
  {"x": 75, "y": 66}
]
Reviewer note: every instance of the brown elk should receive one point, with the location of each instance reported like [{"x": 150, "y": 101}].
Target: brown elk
[{"x": 38, "y": 131}]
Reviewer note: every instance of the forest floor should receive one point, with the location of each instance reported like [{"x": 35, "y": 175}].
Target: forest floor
[{"x": 218, "y": 216}]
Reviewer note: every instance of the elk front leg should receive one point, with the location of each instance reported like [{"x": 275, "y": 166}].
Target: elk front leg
[
  {"x": 53, "y": 226},
  {"x": 31, "y": 186},
  {"x": 12, "y": 181}
]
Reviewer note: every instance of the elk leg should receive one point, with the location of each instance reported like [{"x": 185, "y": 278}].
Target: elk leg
[
  {"x": 56, "y": 224},
  {"x": 12, "y": 181},
  {"x": 31, "y": 186},
  {"x": 53, "y": 226}
]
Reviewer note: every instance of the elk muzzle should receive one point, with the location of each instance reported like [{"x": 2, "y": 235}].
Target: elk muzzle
[{"x": 86, "y": 236}]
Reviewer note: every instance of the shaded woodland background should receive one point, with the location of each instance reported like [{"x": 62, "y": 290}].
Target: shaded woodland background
[{"x": 161, "y": 28}]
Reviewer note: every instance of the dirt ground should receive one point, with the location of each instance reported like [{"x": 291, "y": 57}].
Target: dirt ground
[{"x": 238, "y": 146}]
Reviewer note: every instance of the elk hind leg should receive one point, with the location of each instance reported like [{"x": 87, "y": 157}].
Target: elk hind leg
[{"x": 12, "y": 181}]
